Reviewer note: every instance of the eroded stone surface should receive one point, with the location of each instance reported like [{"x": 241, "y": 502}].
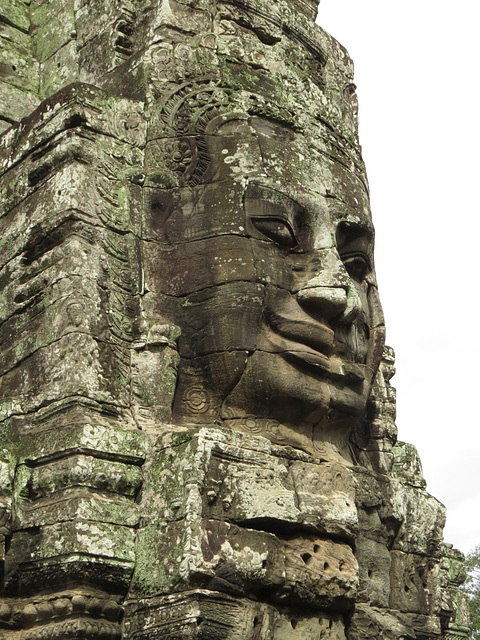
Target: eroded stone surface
[{"x": 197, "y": 424}]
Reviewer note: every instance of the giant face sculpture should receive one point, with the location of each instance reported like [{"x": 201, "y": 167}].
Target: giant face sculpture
[{"x": 269, "y": 266}]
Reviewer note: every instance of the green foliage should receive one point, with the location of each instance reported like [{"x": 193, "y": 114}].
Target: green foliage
[{"x": 472, "y": 587}]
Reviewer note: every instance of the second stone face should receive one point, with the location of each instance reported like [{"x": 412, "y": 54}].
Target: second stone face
[{"x": 231, "y": 513}]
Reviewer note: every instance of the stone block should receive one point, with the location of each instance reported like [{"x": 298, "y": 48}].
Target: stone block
[
  {"x": 4, "y": 125},
  {"x": 326, "y": 497},
  {"x": 16, "y": 12},
  {"x": 226, "y": 519},
  {"x": 15, "y": 102},
  {"x": 371, "y": 622},
  {"x": 82, "y": 430},
  {"x": 423, "y": 522},
  {"x": 211, "y": 313},
  {"x": 53, "y": 26},
  {"x": 407, "y": 465},
  {"x": 154, "y": 376},
  {"x": 374, "y": 572},
  {"x": 380, "y": 512},
  {"x": 70, "y": 194},
  {"x": 210, "y": 263},
  {"x": 189, "y": 213},
  {"x": 76, "y": 552},
  {"x": 205, "y": 615},
  {"x": 319, "y": 573},
  {"x": 17, "y": 67},
  {"x": 59, "y": 69},
  {"x": 75, "y": 365},
  {"x": 416, "y": 583},
  {"x": 77, "y": 488}
]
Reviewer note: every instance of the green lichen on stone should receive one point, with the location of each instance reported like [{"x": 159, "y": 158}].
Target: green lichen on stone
[
  {"x": 16, "y": 13},
  {"x": 53, "y": 26}
]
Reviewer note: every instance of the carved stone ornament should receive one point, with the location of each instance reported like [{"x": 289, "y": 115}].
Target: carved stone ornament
[{"x": 197, "y": 425}]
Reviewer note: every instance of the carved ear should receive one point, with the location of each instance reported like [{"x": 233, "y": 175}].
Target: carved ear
[
  {"x": 377, "y": 330},
  {"x": 376, "y": 437},
  {"x": 349, "y": 92}
]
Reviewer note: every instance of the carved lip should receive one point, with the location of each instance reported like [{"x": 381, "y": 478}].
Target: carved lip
[
  {"x": 311, "y": 346},
  {"x": 346, "y": 372},
  {"x": 317, "y": 336}
]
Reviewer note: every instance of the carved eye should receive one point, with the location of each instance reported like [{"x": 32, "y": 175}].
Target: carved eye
[
  {"x": 357, "y": 265},
  {"x": 277, "y": 230}
]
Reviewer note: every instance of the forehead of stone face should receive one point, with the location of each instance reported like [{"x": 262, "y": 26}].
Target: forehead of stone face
[
  {"x": 348, "y": 196},
  {"x": 308, "y": 168},
  {"x": 233, "y": 149},
  {"x": 310, "y": 163},
  {"x": 250, "y": 147}
]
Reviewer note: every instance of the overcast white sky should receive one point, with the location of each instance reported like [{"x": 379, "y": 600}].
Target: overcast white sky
[{"x": 417, "y": 68}]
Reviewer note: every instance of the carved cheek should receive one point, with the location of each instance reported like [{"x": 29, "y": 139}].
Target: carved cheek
[{"x": 272, "y": 265}]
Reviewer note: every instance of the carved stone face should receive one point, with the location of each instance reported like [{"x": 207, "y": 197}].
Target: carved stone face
[{"x": 272, "y": 263}]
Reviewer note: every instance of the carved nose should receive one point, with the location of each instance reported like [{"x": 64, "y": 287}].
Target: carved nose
[{"x": 325, "y": 302}]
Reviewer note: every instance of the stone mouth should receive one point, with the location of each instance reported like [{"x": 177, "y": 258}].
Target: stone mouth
[
  {"x": 312, "y": 348},
  {"x": 333, "y": 368},
  {"x": 314, "y": 337}
]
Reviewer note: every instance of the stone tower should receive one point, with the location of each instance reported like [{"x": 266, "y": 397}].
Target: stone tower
[{"x": 196, "y": 418}]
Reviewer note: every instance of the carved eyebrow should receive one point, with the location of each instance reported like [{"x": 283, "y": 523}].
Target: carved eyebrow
[
  {"x": 268, "y": 195},
  {"x": 354, "y": 236},
  {"x": 352, "y": 219}
]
